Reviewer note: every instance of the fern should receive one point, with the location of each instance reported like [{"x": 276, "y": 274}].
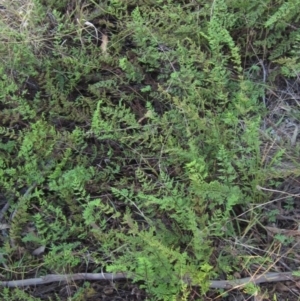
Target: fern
[
  {"x": 144, "y": 153},
  {"x": 61, "y": 258},
  {"x": 220, "y": 22},
  {"x": 286, "y": 11},
  {"x": 20, "y": 219},
  {"x": 16, "y": 294}
]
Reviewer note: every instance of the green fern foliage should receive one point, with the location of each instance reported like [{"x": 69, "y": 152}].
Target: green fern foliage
[{"x": 131, "y": 130}]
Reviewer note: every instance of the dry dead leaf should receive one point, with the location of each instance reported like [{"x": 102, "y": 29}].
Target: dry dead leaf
[
  {"x": 108, "y": 290},
  {"x": 39, "y": 250},
  {"x": 4, "y": 226},
  {"x": 91, "y": 25},
  {"x": 237, "y": 275},
  {"x": 148, "y": 114},
  {"x": 274, "y": 230},
  {"x": 104, "y": 43}
]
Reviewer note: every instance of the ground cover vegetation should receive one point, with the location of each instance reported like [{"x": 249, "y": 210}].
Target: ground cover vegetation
[{"x": 154, "y": 137}]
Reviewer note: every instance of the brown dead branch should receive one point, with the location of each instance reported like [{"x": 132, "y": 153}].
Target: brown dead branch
[{"x": 225, "y": 284}]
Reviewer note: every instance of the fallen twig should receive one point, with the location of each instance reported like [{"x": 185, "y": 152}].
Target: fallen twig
[
  {"x": 225, "y": 284},
  {"x": 256, "y": 279},
  {"x": 61, "y": 278}
]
